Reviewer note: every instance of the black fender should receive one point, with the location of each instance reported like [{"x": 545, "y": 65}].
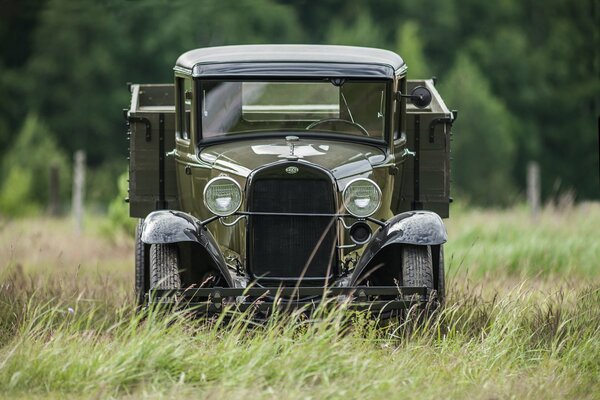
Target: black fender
[
  {"x": 411, "y": 227},
  {"x": 169, "y": 226}
]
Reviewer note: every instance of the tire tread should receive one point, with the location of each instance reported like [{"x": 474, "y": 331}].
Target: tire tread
[
  {"x": 140, "y": 255},
  {"x": 164, "y": 267},
  {"x": 417, "y": 267}
]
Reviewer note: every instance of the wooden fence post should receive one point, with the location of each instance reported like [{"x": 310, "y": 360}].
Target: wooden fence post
[
  {"x": 533, "y": 188},
  {"x": 78, "y": 190}
]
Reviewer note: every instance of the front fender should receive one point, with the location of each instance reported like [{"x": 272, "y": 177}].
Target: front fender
[
  {"x": 169, "y": 226},
  {"x": 412, "y": 227}
]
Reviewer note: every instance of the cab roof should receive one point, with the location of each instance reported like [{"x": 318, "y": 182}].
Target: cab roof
[{"x": 291, "y": 60}]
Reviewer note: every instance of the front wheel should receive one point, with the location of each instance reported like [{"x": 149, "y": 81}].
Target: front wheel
[
  {"x": 441, "y": 278},
  {"x": 141, "y": 258},
  {"x": 164, "y": 267},
  {"x": 417, "y": 266}
]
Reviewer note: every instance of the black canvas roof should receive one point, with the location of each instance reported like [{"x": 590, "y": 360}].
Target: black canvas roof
[{"x": 290, "y": 60}]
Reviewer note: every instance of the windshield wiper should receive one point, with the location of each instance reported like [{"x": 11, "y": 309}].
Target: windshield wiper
[{"x": 347, "y": 108}]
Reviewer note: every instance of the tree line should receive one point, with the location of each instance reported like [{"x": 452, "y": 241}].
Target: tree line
[{"x": 524, "y": 75}]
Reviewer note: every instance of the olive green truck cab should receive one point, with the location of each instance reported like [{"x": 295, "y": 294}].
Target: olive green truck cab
[{"x": 294, "y": 172}]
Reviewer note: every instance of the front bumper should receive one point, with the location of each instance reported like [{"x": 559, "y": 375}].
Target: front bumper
[{"x": 376, "y": 299}]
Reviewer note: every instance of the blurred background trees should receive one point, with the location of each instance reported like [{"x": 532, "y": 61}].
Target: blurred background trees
[{"x": 525, "y": 76}]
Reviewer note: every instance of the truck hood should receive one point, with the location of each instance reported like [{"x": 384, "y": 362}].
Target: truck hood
[{"x": 343, "y": 159}]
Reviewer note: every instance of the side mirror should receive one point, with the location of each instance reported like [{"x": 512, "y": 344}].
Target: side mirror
[{"x": 420, "y": 96}]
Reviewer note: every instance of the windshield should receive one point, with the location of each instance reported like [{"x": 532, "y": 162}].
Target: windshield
[{"x": 337, "y": 106}]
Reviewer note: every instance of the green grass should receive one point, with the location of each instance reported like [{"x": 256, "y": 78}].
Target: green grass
[
  {"x": 565, "y": 242},
  {"x": 522, "y": 321}
]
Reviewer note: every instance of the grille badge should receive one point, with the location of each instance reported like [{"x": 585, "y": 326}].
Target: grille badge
[{"x": 291, "y": 170}]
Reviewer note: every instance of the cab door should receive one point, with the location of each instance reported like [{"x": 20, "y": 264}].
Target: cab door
[
  {"x": 400, "y": 149},
  {"x": 184, "y": 147}
]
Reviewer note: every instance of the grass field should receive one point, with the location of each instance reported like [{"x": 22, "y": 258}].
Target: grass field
[{"x": 522, "y": 321}]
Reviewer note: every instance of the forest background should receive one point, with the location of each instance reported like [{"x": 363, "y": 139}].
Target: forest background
[{"x": 524, "y": 75}]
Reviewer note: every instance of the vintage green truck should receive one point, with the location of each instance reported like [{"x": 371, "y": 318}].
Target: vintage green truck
[{"x": 295, "y": 172}]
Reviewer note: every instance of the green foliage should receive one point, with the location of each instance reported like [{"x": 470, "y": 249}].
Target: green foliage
[
  {"x": 541, "y": 62},
  {"x": 16, "y": 193},
  {"x": 360, "y": 31},
  {"x": 11, "y": 110},
  {"x": 87, "y": 50},
  {"x": 102, "y": 184},
  {"x": 79, "y": 46},
  {"x": 409, "y": 44},
  {"x": 119, "y": 220},
  {"x": 71, "y": 61},
  {"x": 26, "y": 166},
  {"x": 483, "y": 148}
]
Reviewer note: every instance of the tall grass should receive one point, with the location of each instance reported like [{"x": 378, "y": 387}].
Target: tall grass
[
  {"x": 498, "y": 242},
  {"x": 528, "y": 332},
  {"x": 474, "y": 347}
]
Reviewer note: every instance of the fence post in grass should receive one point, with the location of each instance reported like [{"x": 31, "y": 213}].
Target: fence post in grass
[
  {"x": 78, "y": 190},
  {"x": 53, "y": 191},
  {"x": 533, "y": 188}
]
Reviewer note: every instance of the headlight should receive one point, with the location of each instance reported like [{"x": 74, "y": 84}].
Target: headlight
[
  {"x": 222, "y": 196},
  {"x": 362, "y": 197}
]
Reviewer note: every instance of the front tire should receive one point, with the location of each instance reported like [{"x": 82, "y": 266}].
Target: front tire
[
  {"x": 141, "y": 258},
  {"x": 441, "y": 277},
  {"x": 417, "y": 266},
  {"x": 164, "y": 267}
]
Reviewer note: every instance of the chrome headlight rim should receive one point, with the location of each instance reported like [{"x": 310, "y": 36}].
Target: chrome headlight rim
[
  {"x": 211, "y": 182},
  {"x": 379, "y": 194}
]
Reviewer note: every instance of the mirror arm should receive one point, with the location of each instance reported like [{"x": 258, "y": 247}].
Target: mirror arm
[
  {"x": 400, "y": 96},
  {"x": 414, "y": 98},
  {"x": 420, "y": 96}
]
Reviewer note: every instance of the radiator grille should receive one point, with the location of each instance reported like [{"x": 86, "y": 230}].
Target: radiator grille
[{"x": 285, "y": 246}]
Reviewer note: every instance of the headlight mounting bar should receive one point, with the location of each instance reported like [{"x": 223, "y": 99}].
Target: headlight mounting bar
[{"x": 281, "y": 214}]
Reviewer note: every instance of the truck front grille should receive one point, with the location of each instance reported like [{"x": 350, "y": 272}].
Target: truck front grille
[{"x": 289, "y": 248}]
